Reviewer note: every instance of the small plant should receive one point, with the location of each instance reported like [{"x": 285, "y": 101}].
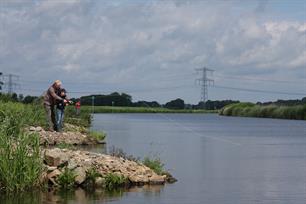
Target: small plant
[
  {"x": 91, "y": 175},
  {"x": 155, "y": 164},
  {"x": 99, "y": 136},
  {"x": 114, "y": 180},
  {"x": 66, "y": 179}
]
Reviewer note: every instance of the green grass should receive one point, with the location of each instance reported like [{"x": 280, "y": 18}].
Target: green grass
[
  {"x": 113, "y": 181},
  {"x": 91, "y": 175},
  {"x": 297, "y": 112},
  {"x": 155, "y": 164},
  {"x": 66, "y": 179},
  {"x": 115, "y": 109},
  {"x": 20, "y": 162},
  {"x": 99, "y": 136}
]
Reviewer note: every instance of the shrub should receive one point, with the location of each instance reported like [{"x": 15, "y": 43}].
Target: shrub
[
  {"x": 155, "y": 164},
  {"x": 99, "y": 136},
  {"x": 114, "y": 180},
  {"x": 66, "y": 179},
  {"x": 91, "y": 175}
]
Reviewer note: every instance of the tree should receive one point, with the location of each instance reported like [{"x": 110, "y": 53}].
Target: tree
[
  {"x": 29, "y": 99},
  {"x": 176, "y": 104},
  {"x": 14, "y": 97},
  {"x": 20, "y": 97}
]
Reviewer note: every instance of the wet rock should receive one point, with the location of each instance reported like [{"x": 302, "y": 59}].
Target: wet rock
[
  {"x": 157, "y": 180},
  {"x": 138, "y": 179}
]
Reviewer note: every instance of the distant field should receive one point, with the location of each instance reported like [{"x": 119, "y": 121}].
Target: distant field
[
  {"x": 110, "y": 109},
  {"x": 297, "y": 112}
]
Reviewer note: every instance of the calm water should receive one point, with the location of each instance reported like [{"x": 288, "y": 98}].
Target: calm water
[{"x": 226, "y": 160}]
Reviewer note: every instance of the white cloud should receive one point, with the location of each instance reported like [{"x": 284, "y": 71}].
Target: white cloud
[{"x": 133, "y": 44}]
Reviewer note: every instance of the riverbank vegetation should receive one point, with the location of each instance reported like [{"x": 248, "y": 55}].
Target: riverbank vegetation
[{"x": 296, "y": 112}]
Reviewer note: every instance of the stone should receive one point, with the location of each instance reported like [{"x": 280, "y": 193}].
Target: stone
[
  {"x": 38, "y": 129},
  {"x": 157, "y": 180},
  {"x": 55, "y": 157},
  {"x": 32, "y": 128},
  {"x": 51, "y": 168},
  {"x": 80, "y": 175},
  {"x": 72, "y": 165},
  {"x": 136, "y": 179},
  {"x": 54, "y": 173}
]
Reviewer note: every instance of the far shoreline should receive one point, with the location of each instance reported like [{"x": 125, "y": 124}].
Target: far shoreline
[{"x": 122, "y": 109}]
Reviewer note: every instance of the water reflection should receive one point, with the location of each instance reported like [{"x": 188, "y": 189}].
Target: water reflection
[{"x": 78, "y": 196}]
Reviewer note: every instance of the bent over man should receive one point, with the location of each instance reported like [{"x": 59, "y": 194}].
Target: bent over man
[{"x": 50, "y": 98}]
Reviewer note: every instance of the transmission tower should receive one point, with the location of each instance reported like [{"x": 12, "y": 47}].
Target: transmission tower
[
  {"x": 1, "y": 81},
  {"x": 10, "y": 82},
  {"x": 204, "y": 81}
]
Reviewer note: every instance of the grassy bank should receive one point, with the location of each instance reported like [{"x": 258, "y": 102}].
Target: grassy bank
[
  {"x": 297, "y": 112},
  {"x": 115, "y": 109},
  {"x": 20, "y": 161}
]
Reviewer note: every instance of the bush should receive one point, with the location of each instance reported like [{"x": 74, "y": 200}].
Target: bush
[
  {"x": 155, "y": 164},
  {"x": 91, "y": 175},
  {"x": 114, "y": 181},
  {"x": 66, "y": 179},
  {"x": 99, "y": 136}
]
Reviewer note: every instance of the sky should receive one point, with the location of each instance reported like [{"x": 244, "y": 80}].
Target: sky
[{"x": 150, "y": 49}]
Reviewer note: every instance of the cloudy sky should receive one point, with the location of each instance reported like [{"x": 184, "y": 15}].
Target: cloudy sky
[{"x": 150, "y": 49}]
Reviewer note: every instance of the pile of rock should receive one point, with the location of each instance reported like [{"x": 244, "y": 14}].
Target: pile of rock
[
  {"x": 56, "y": 160},
  {"x": 69, "y": 137}
]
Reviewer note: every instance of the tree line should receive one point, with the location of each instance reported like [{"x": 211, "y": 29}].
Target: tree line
[{"x": 125, "y": 100}]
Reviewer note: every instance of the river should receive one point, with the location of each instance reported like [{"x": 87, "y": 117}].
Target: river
[{"x": 216, "y": 159}]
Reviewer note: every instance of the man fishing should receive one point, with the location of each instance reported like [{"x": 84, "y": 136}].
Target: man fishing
[{"x": 50, "y": 98}]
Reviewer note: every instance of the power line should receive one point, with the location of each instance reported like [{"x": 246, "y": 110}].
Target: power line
[
  {"x": 247, "y": 78},
  {"x": 260, "y": 91}
]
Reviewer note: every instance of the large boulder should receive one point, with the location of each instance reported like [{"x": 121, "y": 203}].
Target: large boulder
[
  {"x": 157, "y": 180},
  {"x": 55, "y": 157}
]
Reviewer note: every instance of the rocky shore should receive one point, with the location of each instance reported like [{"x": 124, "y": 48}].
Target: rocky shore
[
  {"x": 73, "y": 136},
  {"x": 57, "y": 160}
]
